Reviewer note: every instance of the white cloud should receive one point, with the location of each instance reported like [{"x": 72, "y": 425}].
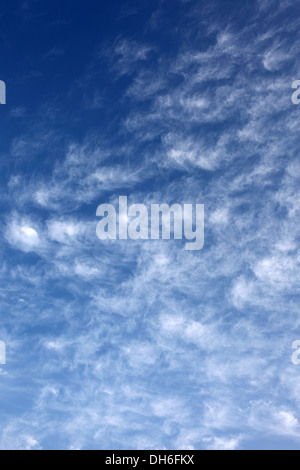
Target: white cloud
[
  {"x": 221, "y": 443},
  {"x": 242, "y": 291},
  {"x": 23, "y": 236},
  {"x": 65, "y": 232},
  {"x": 159, "y": 348}
]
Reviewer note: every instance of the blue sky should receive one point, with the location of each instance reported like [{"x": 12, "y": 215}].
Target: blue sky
[{"x": 143, "y": 345}]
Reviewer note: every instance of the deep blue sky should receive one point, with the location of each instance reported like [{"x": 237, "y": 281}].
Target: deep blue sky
[{"x": 143, "y": 345}]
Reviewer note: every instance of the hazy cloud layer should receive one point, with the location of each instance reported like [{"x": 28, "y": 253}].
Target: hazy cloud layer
[{"x": 127, "y": 345}]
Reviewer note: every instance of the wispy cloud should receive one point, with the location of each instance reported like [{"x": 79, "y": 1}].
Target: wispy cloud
[{"x": 124, "y": 344}]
